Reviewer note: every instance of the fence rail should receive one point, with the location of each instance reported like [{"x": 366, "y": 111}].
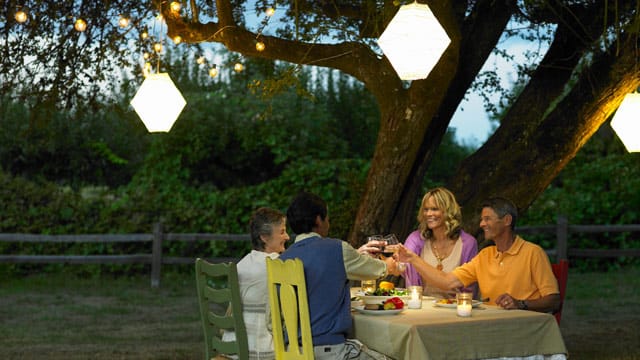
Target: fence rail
[{"x": 562, "y": 230}]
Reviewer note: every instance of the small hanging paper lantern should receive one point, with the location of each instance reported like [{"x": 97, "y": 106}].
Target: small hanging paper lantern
[
  {"x": 158, "y": 102},
  {"x": 626, "y": 122},
  {"x": 414, "y": 41}
]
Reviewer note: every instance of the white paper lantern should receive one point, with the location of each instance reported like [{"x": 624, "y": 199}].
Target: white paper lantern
[
  {"x": 158, "y": 102},
  {"x": 414, "y": 41},
  {"x": 626, "y": 122}
]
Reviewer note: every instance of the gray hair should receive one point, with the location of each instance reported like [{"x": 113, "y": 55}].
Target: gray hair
[
  {"x": 262, "y": 222},
  {"x": 502, "y": 207}
]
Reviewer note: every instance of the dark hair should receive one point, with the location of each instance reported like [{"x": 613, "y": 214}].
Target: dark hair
[
  {"x": 502, "y": 207},
  {"x": 262, "y": 222},
  {"x": 303, "y": 211}
]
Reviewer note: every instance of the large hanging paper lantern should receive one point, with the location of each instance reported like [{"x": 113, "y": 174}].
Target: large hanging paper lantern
[
  {"x": 414, "y": 41},
  {"x": 158, "y": 102},
  {"x": 626, "y": 122}
]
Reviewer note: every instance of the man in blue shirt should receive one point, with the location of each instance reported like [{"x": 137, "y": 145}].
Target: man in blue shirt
[{"x": 329, "y": 264}]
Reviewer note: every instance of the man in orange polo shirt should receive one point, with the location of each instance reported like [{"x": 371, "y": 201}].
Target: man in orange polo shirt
[{"x": 513, "y": 274}]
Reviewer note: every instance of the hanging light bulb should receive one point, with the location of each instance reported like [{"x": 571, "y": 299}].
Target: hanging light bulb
[
  {"x": 626, "y": 122},
  {"x": 144, "y": 34},
  {"x": 260, "y": 46},
  {"x": 238, "y": 67},
  {"x": 200, "y": 60},
  {"x": 177, "y": 39},
  {"x": 21, "y": 16},
  {"x": 157, "y": 47},
  {"x": 146, "y": 55},
  {"x": 147, "y": 69},
  {"x": 80, "y": 25},
  {"x": 213, "y": 72},
  {"x": 175, "y": 6},
  {"x": 270, "y": 11},
  {"x": 123, "y": 22}
]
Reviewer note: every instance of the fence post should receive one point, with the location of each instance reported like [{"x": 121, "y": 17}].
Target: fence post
[
  {"x": 156, "y": 255},
  {"x": 562, "y": 235}
]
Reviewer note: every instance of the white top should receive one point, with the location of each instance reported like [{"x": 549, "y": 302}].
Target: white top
[
  {"x": 448, "y": 264},
  {"x": 252, "y": 276}
]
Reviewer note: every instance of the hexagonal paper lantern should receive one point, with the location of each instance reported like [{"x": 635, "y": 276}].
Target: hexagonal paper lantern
[
  {"x": 158, "y": 102},
  {"x": 414, "y": 41},
  {"x": 626, "y": 122}
]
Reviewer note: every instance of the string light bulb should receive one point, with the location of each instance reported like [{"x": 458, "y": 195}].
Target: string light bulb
[
  {"x": 157, "y": 47},
  {"x": 200, "y": 60},
  {"x": 147, "y": 69},
  {"x": 177, "y": 39},
  {"x": 238, "y": 67},
  {"x": 80, "y": 25},
  {"x": 175, "y": 6},
  {"x": 144, "y": 34},
  {"x": 213, "y": 72},
  {"x": 123, "y": 22},
  {"x": 21, "y": 16},
  {"x": 270, "y": 11},
  {"x": 146, "y": 55},
  {"x": 260, "y": 46}
]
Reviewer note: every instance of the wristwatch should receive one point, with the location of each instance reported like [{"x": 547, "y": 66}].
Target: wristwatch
[{"x": 522, "y": 305}]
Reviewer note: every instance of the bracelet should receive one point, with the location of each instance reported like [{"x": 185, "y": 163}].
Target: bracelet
[{"x": 522, "y": 305}]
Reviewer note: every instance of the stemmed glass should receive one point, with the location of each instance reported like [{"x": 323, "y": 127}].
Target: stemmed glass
[{"x": 392, "y": 248}]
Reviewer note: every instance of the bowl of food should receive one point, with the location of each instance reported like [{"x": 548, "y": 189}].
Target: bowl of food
[{"x": 385, "y": 291}]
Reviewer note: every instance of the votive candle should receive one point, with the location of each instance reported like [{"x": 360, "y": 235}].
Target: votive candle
[{"x": 415, "y": 301}]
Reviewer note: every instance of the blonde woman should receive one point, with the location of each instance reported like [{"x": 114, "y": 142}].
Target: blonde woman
[{"x": 439, "y": 239}]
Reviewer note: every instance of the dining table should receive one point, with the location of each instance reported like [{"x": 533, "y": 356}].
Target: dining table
[{"x": 437, "y": 332}]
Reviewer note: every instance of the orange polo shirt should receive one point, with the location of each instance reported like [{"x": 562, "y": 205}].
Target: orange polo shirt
[{"x": 523, "y": 271}]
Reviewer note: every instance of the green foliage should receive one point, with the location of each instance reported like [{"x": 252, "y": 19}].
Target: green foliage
[{"x": 600, "y": 186}]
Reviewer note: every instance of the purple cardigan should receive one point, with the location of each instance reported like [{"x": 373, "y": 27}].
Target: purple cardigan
[{"x": 415, "y": 243}]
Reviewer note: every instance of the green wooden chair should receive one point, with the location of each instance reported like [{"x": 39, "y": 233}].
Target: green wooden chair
[{"x": 218, "y": 291}]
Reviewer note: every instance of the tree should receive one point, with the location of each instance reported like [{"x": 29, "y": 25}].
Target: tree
[
  {"x": 590, "y": 65},
  {"x": 587, "y": 70}
]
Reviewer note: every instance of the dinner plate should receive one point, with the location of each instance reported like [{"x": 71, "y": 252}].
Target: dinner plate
[
  {"x": 475, "y": 303},
  {"x": 362, "y": 310}
]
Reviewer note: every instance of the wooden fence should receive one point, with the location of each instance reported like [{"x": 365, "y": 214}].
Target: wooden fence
[{"x": 562, "y": 229}]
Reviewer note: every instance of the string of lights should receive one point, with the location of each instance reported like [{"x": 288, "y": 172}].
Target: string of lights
[{"x": 153, "y": 43}]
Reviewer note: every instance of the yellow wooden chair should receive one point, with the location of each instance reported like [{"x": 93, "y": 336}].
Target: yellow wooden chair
[
  {"x": 218, "y": 291},
  {"x": 289, "y": 303}
]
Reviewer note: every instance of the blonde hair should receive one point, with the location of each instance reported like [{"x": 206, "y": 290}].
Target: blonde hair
[{"x": 446, "y": 202}]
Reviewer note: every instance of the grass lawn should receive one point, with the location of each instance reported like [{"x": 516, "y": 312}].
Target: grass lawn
[{"x": 58, "y": 316}]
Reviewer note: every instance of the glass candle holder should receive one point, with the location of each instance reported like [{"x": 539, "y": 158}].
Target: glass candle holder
[
  {"x": 368, "y": 286},
  {"x": 464, "y": 301},
  {"x": 415, "y": 297}
]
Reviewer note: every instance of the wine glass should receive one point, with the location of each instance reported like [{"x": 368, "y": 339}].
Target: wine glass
[
  {"x": 376, "y": 238},
  {"x": 392, "y": 248}
]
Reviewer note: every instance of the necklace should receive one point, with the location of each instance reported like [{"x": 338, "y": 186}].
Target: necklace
[{"x": 438, "y": 257}]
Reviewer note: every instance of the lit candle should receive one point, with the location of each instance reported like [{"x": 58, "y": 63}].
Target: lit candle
[
  {"x": 464, "y": 304},
  {"x": 415, "y": 302},
  {"x": 464, "y": 310}
]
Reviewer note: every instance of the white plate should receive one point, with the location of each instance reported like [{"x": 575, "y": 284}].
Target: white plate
[
  {"x": 378, "y": 312},
  {"x": 475, "y": 303}
]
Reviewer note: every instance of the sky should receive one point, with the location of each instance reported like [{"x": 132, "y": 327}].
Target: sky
[{"x": 470, "y": 120}]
